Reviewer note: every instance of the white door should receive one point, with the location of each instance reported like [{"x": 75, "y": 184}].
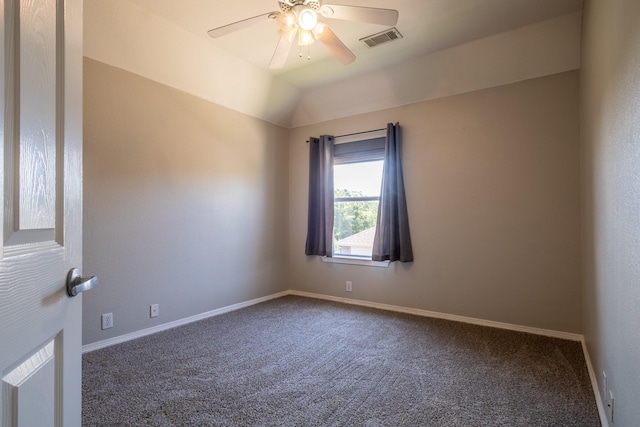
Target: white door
[{"x": 41, "y": 187}]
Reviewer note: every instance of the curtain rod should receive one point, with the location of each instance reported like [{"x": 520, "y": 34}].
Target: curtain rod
[{"x": 357, "y": 133}]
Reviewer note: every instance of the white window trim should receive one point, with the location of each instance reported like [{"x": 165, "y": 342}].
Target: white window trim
[{"x": 341, "y": 259}]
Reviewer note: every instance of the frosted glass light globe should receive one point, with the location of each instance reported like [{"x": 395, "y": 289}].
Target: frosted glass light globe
[
  {"x": 286, "y": 20},
  {"x": 307, "y": 19}
]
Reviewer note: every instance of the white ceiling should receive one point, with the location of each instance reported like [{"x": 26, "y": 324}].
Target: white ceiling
[
  {"x": 449, "y": 47},
  {"x": 427, "y": 26}
]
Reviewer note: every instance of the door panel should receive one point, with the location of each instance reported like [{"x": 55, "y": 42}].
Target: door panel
[
  {"x": 40, "y": 326},
  {"x": 37, "y": 94},
  {"x": 33, "y": 381}
]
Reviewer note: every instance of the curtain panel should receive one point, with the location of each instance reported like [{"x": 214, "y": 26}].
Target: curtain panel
[
  {"x": 392, "y": 239},
  {"x": 320, "y": 216}
]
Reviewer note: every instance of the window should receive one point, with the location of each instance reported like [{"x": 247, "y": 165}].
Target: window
[
  {"x": 357, "y": 178},
  {"x": 393, "y": 242}
]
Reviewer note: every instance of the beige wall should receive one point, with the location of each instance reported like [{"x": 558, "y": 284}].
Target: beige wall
[
  {"x": 186, "y": 204},
  {"x": 183, "y": 203},
  {"x": 610, "y": 113},
  {"x": 492, "y": 181}
]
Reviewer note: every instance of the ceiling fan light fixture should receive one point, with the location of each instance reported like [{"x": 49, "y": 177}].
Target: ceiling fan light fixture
[
  {"x": 286, "y": 20},
  {"x": 300, "y": 18},
  {"x": 307, "y": 18},
  {"x": 305, "y": 37}
]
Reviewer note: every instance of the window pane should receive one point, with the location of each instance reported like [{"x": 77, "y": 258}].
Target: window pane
[
  {"x": 354, "y": 227},
  {"x": 357, "y": 179},
  {"x": 354, "y": 222}
]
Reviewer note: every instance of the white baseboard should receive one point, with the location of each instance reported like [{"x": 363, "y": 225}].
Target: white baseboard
[
  {"x": 596, "y": 389},
  {"x": 144, "y": 332},
  {"x": 424, "y": 313},
  {"x": 437, "y": 315}
]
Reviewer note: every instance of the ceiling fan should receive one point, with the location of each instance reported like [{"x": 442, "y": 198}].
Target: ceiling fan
[{"x": 301, "y": 19}]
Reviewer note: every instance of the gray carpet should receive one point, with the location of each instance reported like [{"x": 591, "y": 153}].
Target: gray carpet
[{"x": 303, "y": 362}]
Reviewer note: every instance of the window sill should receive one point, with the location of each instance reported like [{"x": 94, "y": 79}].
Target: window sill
[{"x": 355, "y": 261}]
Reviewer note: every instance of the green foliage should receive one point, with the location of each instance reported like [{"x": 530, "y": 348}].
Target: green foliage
[{"x": 352, "y": 217}]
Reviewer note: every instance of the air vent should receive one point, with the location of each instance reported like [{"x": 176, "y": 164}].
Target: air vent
[{"x": 385, "y": 36}]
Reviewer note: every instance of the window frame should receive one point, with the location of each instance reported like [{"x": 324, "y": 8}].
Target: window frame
[
  {"x": 361, "y": 150},
  {"x": 343, "y": 259}
]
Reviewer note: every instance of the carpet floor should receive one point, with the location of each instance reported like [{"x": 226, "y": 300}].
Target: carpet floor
[{"x": 298, "y": 361}]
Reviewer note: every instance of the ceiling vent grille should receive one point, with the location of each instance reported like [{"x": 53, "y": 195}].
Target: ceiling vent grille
[{"x": 383, "y": 37}]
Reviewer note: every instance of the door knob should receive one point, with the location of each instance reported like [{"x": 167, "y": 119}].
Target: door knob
[{"x": 77, "y": 284}]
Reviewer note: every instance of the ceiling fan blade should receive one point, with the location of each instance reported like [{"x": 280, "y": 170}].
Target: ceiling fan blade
[
  {"x": 281, "y": 54},
  {"x": 235, "y": 26},
  {"x": 336, "y": 47},
  {"x": 369, "y": 15}
]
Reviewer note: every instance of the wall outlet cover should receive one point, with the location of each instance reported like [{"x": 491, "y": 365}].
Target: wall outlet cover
[{"x": 107, "y": 321}]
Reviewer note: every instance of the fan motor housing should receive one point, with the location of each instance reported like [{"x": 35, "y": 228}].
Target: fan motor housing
[{"x": 287, "y": 5}]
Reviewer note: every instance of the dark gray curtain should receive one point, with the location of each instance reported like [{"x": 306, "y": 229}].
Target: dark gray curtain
[
  {"x": 320, "y": 219},
  {"x": 392, "y": 240}
]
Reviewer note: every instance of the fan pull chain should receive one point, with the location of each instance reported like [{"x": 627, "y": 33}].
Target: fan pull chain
[{"x": 308, "y": 52}]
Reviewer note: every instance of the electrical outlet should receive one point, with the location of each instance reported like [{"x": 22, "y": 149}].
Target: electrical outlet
[
  {"x": 610, "y": 406},
  {"x": 154, "y": 310},
  {"x": 107, "y": 321},
  {"x": 349, "y": 286}
]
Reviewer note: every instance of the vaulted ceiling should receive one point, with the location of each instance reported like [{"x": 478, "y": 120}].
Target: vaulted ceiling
[{"x": 167, "y": 41}]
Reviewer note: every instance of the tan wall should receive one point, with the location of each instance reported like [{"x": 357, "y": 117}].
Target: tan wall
[
  {"x": 610, "y": 113},
  {"x": 183, "y": 203},
  {"x": 492, "y": 180}
]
